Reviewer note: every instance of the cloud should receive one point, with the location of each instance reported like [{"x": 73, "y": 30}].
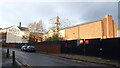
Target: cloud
[{"x": 79, "y": 12}]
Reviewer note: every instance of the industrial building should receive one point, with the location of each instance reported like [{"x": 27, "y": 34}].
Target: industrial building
[{"x": 101, "y": 28}]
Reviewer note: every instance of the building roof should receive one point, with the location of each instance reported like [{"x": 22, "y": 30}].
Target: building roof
[
  {"x": 22, "y": 28},
  {"x": 77, "y": 25},
  {"x": 85, "y": 23},
  {"x": 7, "y": 28}
]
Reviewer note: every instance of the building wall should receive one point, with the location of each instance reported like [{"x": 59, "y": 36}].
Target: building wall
[
  {"x": 92, "y": 30},
  {"x": 62, "y": 33},
  {"x": 26, "y": 35},
  {"x": 105, "y": 28},
  {"x": 110, "y": 27},
  {"x": 50, "y": 33},
  {"x": 118, "y": 33},
  {"x": 14, "y": 35},
  {"x": 3, "y": 31},
  {"x": 71, "y": 33},
  {"x": 3, "y": 38},
  {"x": 115, "y": 30}
]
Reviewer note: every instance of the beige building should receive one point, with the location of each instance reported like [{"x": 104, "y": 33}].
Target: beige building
[
  {"x": 118, "y": 31},
  {"x": 102, "y": 28},
  {"x": 51, "y": 32}
]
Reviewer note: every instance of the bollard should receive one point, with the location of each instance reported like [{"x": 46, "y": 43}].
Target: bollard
[
  {"x": 13, "y": 57},
  {"x": 7, "y": 53}
]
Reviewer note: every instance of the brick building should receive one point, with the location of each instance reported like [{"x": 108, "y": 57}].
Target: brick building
[{"x": 102, "y": 28}]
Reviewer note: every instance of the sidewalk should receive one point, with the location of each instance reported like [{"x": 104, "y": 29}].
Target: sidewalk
[
  {"x": 7, "y": 62},
  {"x": 89, "y": 59}
]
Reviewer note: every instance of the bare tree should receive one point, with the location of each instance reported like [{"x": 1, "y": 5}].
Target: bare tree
[
  {"x": 36, "y": 27},
  {"x": 36, "y": 31},
  {"x": 65, "y": 23},
  {"x": 58, "y": 24},
  {"x": 62, "y": 21}
]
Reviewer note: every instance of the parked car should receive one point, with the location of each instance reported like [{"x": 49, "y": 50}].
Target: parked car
[
  {"x": 31, "y": 48},
  {"x": 23, "y": 48},
  {"x": 28, "y": 48}
]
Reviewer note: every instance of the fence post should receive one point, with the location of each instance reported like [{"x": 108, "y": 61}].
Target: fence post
[
  {"x": 7, "y": 53},
  {"x": 84, "y": 48},
  {"x": 101, "y": 48},
  {"x": 13, "y": 57}
]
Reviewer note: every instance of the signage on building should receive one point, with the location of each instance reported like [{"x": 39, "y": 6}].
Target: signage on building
[
  {"x": 84, "y": 41},
  {"x": 81, "y": 41}
]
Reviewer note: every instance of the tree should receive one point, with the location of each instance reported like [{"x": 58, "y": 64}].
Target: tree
[
  {"x": 63, "y": 23},
  {"x": 36, "y": 31},
  {"x": 57, "y": 25},
  {"x": 55, "y": 37},
  {"x": 36, "y": 27}
]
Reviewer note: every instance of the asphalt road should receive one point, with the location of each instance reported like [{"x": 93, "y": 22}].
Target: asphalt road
[{"x": 41, "y": 59}]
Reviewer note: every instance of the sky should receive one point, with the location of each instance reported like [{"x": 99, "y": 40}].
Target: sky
[{"x": 13, "y": 12}]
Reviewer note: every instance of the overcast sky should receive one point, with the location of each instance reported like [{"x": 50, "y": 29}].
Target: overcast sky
[{"x": 11, "y": 13}]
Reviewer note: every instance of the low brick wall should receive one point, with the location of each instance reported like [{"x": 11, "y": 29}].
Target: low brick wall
[
  {"x": 10, "y": 45},
  {"x": 49, "y": 48}
]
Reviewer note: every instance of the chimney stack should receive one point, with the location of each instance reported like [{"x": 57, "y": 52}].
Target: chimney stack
[{"x": 20, "y": 24}]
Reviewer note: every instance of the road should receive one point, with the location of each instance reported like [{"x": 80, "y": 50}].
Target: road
[{"x": 41, "y": 59}]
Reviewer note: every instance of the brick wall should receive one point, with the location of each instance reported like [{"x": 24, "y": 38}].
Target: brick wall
[
  {"x": 10, "y": 45},
  {"x": 71, "y": 33},
  {"x": 49, "y": 48},
  {"x": 92, "y": 30}
]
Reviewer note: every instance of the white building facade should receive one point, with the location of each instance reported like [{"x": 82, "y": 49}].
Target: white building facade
[{"x": 17, "y": 34}]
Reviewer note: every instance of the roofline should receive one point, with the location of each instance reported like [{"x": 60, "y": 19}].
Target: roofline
[
  {"x": 80, "y": 24},
  {"x": 7, "y": 27},
  {"x": 84, "y": 23},
  {"x": 12, "y": 26}
]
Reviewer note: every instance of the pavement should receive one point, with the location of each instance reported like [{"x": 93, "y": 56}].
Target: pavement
[
  {"x": 0, "y": 56},
  {"x": 90, "y": 59},
  {"x": 7, "y": 61}
]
